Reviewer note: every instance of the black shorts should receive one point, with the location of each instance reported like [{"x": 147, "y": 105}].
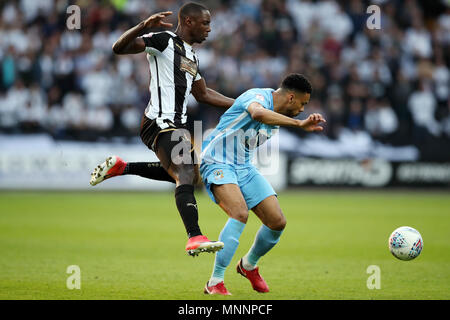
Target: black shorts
[{"x": 156, "y": 138}]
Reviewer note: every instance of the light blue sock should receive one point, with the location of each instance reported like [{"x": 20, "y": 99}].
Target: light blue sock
[
  {"x": 265, "y": 240},
  {"x": 230, "y": 237}
]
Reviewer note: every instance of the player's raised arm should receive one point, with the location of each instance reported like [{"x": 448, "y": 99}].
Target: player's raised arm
[
  {"x": 129, "y": 42},
  {"x": 261, "y": 114},
  {"x": 206, "y": 95}
]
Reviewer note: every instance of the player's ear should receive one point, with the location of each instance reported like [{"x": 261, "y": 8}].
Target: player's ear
[
  {"x": 188, "y": 21},
  {"x": 184, "y": 21},
  {"x": 291, "y": 97}
]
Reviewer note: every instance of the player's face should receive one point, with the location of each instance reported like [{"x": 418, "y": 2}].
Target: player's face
[
  {"x": 296, "y": 103},
  {"x": 201, "y": 26}
]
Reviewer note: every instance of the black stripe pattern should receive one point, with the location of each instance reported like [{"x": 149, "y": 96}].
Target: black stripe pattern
[
  {"x": 159, "y": 88},
  {"x": 159, "y": 40},
  {"x": 180, "y": 78}
]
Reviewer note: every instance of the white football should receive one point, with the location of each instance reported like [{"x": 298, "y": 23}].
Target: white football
[{"x": 405, "y": 243}]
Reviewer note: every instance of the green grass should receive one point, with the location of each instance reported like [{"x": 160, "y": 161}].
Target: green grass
[{"x": 131, "y": 246}]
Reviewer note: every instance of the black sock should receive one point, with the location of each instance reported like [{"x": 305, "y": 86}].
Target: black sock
[
  {"x": 187, "y": 206},
  {"x": 149, "y": 170}
]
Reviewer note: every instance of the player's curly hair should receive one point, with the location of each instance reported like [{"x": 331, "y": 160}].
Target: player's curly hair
[{"x": 297, "y": 82}]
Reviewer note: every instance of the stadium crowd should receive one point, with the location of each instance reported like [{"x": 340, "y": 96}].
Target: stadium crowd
[{"x": 392, "y": 83}]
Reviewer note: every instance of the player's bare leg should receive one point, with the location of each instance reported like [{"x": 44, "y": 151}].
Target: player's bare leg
[
  {"x": 270, "y": 214},
  {"x": 231, "y": 200},
  {"x": 229, "y": 197},
  {"x": 274, "y": 222}
]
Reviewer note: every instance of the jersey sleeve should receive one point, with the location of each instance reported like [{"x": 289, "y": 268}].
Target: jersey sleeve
[
  {"x": 156, "y": 41},
  {"x": 258, "y": 98},
  {"x": 198, "y": 76}
]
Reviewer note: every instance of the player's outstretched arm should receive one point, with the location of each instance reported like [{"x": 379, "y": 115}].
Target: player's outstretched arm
[
  {"x": 261, "y": 114},
  {"x": 129, "y": 42},
  {"x": 206, "y": 95}
]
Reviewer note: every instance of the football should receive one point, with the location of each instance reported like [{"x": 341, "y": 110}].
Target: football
[{"x": 405, "y": 243}]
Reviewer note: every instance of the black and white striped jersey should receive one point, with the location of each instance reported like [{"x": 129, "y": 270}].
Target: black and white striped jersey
[{"x": 173, "y": 69}]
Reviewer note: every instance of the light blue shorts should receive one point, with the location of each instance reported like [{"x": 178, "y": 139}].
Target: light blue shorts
[{"x": 254, "y": 187}]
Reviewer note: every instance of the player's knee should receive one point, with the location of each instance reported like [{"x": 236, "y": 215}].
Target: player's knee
[
  {"x": 186, "y": 174},
  {"x": 240, "y": 215},
  {"x": 235, "y": 212},
  {"x": 197, "y": 178},
  {"x": 278, "y": 224}
]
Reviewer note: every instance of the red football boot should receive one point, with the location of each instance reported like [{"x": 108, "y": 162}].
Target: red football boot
[
  {"x": 217, "y": 289},
  {"x": 113, "y": 166},
  {"x": 253, "y": 276},
  {"x": 198, "y": 244}
]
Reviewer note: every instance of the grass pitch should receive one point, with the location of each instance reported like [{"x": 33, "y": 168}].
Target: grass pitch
[{"x": 131, "y": 246}]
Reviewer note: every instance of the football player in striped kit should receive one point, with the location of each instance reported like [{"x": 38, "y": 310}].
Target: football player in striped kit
[{"x": 174, "y": 70}]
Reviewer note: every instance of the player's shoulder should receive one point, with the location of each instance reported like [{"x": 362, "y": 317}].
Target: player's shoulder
[
  {"x": 157, "y": 41},
  {"x": 160, "y": 34},
  {"x": 260, "y": 95},
  {"x": 264, "y": 92},
  {"x": 168, "y": 33}
]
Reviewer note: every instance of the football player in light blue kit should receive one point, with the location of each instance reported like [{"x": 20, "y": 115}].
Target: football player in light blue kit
[{"x": 237, "y": 186}]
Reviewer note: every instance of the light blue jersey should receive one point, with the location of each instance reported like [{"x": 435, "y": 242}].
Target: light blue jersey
[
  {"x": 237, "y": 135},
  {"x": 227, "y": 152}
]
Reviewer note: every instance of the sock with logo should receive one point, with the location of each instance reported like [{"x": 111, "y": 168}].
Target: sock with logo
[
  {"x": 187, "y": 206},
  {"x": 265, "y": 240},
  {"x": 229, "y": 235},
  {"x": 149, "y": 170}
]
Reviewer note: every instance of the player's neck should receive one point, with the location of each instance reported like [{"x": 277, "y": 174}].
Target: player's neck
[
  {"x": 278, "y": 102},
  {"x": 183, "y": 34}
]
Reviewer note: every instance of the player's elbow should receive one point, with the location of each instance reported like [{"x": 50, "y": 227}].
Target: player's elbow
[
  {"x": 116, "y": 48},
  {"x": 201, "y": 97},
  {"x": 257, "y": 115}
]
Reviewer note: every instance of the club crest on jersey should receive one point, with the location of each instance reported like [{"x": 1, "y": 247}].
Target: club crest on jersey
[
  {"x": 259, "y": 97},
  {"x": 218, "y": 174},
  {"x": 188, "y": 66}
]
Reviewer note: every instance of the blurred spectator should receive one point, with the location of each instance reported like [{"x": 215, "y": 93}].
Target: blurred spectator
[
  {"x": 441, "y": 78},
  {"x": 8, "y": 115},
  {"x": 422, "y": 104},
  {"x": 417, "y": 41},
  {"x": 130, "y": 119},
  {"x": 97, "y": 84},
  {"x": 446, "y": 121},
  {"x": 8, "y": 68},
  {"x": 355, "y": 116},
  {"x": 443, "y": 30},
  {"x": 336, "y": 114},
  {"x": 380, "y": 119}
]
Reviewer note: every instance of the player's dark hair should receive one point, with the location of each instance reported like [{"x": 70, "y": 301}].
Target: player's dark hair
[
  {"x": 190, "y": 9},
  {"x": 297, "y": 82}
]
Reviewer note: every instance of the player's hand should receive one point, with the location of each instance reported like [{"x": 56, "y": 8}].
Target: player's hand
[
  {"x": 156, "y": 20},
  {"x": 311, "y": 123}
]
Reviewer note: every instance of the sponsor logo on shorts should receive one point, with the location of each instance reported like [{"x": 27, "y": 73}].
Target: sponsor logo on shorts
[{"x": 218, "y": 174}]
